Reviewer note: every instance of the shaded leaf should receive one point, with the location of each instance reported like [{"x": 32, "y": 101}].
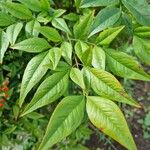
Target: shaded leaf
[
  {"x": 83, "y": 26},
  {"x": 142, "y": 49},
  {"x": 50, "y": 90},
  {"x": 139, "y": 9}
]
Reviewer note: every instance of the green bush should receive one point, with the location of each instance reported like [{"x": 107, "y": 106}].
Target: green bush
[{"x": 72, "y": 50}]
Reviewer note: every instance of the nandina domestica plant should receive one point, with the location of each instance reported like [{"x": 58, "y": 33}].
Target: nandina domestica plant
[{"x": 78, "y": 45}]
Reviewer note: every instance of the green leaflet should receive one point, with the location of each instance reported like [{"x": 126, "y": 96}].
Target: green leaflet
[
  {"x": 54, "y": 56},
  {"x": 44, "y": 17},
  {"x": 83, "y": 26},
  {"x": 143, "y": 31},
  {"x": 34, "y": 71},
  {"x": 77, "y": 3},
  {"x": 125, "y": 66},
  {"x": 58, "y": 13},
  {"x": 64, "y": 120},
  {"x": 18, "y": 10},
  {"x": 50, "y": 90},
  {"x": 32, "y": 45},
  {"x": 60, "y": 24},
  {"x": 50, "y": 33},
  {"x": 13, "y": 32},
  {"x": 71, "y": 17},
  {"x": 31, "y": 27},
  {"x": 76, "y": 76},
  {"x": 96, "y": 3},
  {"x": 142, "y": 15},
  {"x": 34, "y": 5},
  {"x": 104, "y": 19},
  {"x": 87, "y": 57},
  {"x": 108, "y": 35},
  {"x": 106, "y": 85},
  {"x": 4, "y": 43},
  {"x": 98, "y": 58},
  {"x": 45, "y": 5},
  {"x": 67, "y": 52},
  {"x": 106, "y": 116},
  {"x": 80, "y": 48},
  {"x": 5, "y": 19},
  {"x": 142, "y": 49}
]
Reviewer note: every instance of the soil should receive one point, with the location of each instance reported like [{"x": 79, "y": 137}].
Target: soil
[{"x": 140, "y": 90}]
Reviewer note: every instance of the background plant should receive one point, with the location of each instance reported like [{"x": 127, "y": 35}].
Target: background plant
[{"x": 79, "y": 48}]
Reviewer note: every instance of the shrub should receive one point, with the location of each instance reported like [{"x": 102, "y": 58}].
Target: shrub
[{"x": 77, "y": 48}]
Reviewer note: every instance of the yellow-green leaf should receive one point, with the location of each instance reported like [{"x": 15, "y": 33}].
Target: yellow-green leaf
[{"x": 107, "y": 117}]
